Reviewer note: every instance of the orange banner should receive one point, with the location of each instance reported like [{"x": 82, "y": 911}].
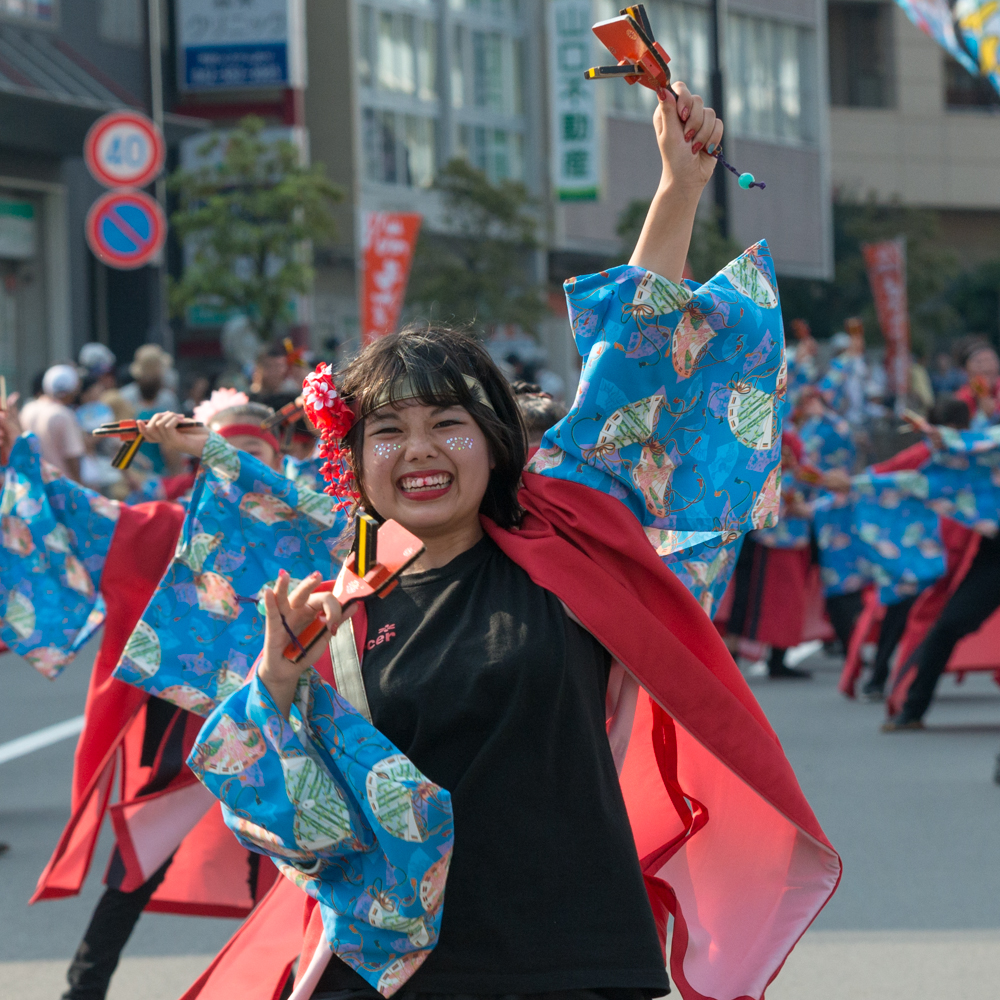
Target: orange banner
[
  {"x": 387, "y": 253},
  {"x": 886, "y": 266}
]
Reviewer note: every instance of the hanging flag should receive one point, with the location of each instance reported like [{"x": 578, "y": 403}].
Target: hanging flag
[
  {"x": 886, "y": 266},
  {"x": 969, "y": 30},
  {"x": 979, "y": 26},
  {"x": 387, "y": 253}
]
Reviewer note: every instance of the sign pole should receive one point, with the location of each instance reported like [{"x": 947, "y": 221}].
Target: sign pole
[
  {"x": 719, "y": 179},
  {"x": 165, "y": 333}
]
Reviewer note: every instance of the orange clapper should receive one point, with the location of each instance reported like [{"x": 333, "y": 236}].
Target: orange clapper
[
  {"x": 641, "y": 59},
  {"x": 128, "y": 431},
  {"x": 372, "y": 569}
]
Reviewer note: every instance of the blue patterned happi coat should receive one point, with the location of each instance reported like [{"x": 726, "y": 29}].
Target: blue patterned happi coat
[
  {"x": 827, "y": 443},
  {"x": 55, "y": 539},
  {"x": 678, "y": 415},
  {"x": 203, "y": 629},
  {"x": 887, "y": 531}
]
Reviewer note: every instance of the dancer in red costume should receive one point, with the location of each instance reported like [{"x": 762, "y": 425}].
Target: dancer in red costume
[
  {"x": 894, "y": 626},
  {"x": 144, "y": 741},
  {"x": 707, "y": 818}
]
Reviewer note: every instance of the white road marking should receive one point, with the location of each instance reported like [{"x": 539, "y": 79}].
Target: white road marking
[{"x": 40, "y": 738}]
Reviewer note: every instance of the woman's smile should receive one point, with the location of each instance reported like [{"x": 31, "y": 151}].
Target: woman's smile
[{"x": 429, "y": 484}]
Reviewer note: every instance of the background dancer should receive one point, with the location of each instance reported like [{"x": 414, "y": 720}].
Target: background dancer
[
  {"x": 152, "y": 737},
  {"x": 948, "y": 411},
  {"x": 539, "y": 411}
]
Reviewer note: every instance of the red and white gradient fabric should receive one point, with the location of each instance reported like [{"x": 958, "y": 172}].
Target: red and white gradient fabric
[{"x": 728, "y": 844}]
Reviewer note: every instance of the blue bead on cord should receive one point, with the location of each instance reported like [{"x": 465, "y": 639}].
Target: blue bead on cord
[{"x": 745, "y": 180}]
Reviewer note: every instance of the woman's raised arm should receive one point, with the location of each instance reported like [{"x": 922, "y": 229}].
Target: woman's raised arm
[{"x": 688, "y": 134}]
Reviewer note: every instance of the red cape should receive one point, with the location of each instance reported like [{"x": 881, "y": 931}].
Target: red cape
[
  {"x": 209, "y": 873},
  {"x": 727, "y": 841}
]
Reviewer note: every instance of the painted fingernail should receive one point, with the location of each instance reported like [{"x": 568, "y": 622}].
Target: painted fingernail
[
  {"x": 689, "y": 135},
  {"x": 685, "y": 114},
  {"x": 696, "y": 148},
  {"x": 710, "y": 148}
]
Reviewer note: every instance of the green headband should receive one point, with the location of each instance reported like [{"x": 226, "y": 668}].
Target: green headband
[{"x": 403, "y": 389}]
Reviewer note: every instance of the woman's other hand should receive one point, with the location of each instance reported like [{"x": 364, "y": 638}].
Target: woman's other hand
[
  {"x": 161, "y": 429},
  {"x": 10, "y": 427},
  {"x": 296, "y": 609}
]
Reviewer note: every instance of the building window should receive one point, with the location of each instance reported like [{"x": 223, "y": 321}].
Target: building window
[
  {"x": 860, "y": 36},
  {"x": 366, "y": 44},
  {"x": 399, "y": 148},
  {"x": 963, "y": 90},
  {"x": 486, "y": 70},
  {"x": 499, "y": 9},
  {"x": 499, "y": 153},
  {"x": 122, "y": 21},
  {"x": 682, "y": 29},
  {"x": 769, "y": 91},
  {"x": 35, "y": 11},
  {"x": 397, "y": 52}
]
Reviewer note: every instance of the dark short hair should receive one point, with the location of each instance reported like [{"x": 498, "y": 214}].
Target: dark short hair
[
  {"x": 275, "y": 349},
  {"x": 539, "y": 410},
  {"x": 950, "y": 411},
  {"x": 434, "y": 360},
  {"x": 974, "y": 346}
]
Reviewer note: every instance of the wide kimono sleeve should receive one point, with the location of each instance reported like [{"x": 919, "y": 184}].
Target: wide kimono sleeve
[
  {"x": 55, "y": 539},
  {"x": 342, "y": 813},
  {"x": 960, "y": 481},
  {"x": 886, "y": 530},
  {"x": 679, "y": 407},
  {"x": 203, "y": 628}
]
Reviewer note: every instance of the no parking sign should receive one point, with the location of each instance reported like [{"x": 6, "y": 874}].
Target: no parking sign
[{"x": 126, "y": 229}]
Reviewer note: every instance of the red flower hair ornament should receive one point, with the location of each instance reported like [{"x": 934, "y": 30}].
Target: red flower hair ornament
[{"x": 333, "y": 418}]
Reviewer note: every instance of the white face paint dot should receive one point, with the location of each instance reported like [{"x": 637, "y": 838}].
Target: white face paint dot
[
  {"x": 386, "y": 449},
  {"x": 460, "y": 444}
]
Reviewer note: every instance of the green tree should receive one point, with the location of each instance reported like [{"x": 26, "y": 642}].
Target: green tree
[
  {"x": 247, "y": 219},
  {"x": 710, "y": 251},
  {"x": 479, "y": 274},
  {"x": 975, "y": 296},
  {"x": 931, "y": 268}
]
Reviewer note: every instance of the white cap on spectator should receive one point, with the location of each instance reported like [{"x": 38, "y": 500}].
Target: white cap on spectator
[
  {"x": 59, "y": 379},
  {"x": 97, "y": 359}
]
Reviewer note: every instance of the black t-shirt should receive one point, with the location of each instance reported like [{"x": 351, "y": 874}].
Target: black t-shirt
[{"x": 477, "y": 674}]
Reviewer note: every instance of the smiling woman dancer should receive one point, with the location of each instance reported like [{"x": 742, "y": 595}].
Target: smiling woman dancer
[{"x": 605, "y": 764}]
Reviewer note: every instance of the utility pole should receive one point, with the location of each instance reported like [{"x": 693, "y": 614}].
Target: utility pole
[
  {"x": 165, "y": 334},
  {"x": 719, "y": 188}
]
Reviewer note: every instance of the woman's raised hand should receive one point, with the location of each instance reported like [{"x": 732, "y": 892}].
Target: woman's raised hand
[
  {"x": 688, "y": 134},
  {"x": 161, "y": 428},
  {"x": 294, "y": 609}
]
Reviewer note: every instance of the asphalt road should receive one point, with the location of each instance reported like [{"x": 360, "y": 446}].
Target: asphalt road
[
  {"x": 915, "y": 816},
  {"x": 36, "y": 943}
]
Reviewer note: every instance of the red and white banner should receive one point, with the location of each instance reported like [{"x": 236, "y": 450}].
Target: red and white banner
[
  {"x": 387, "y": 253},
  {"x": 886, "y": 266}
]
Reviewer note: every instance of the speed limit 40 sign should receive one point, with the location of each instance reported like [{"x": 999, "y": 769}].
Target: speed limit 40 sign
[{"x": 124, "y": 149}]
